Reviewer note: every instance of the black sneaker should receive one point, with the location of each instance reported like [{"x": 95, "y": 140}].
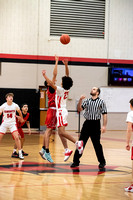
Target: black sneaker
[
  {"x": 74, "y": 165},
  {"x": 24, "y": 154},
  {"x": 15, "y": 155},
  {"x": 101, "y": 165}
]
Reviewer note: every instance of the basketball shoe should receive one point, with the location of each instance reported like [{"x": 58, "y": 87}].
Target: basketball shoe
[
  {"x": 47, "y": 156},
  {"x": 67, "y": 153},
  {"x": 129, "y": 189},
  {"x": 42, "y": 152},
  {"x": 79, "y": 146},
  {"x": 101, "y": 165},
  {"x": 21, "y": 156},
  {"x": 74, "y": 165},
  {"x": 24, "y": 154},
  {"x": 15, "y": 155}
]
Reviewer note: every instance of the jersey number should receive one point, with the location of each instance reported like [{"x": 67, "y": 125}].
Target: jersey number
[
  {"x": 9, "y": 115},
  {"x": 65, "y": 95}
]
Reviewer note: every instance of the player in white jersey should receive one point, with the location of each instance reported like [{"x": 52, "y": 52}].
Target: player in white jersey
[
  {"x": 129, "y": 121},
  {"x": 9, "y": 120},
  {"x": 62, "y": 113}
]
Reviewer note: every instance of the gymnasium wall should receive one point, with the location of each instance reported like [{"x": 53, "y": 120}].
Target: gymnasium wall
[{"x": 25, "y": 31}]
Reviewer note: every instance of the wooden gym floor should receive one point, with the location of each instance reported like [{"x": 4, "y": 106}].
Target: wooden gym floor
[{"x": 36, "y": 179}]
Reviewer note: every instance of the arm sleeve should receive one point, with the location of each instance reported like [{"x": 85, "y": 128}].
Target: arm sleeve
[
  {"x": 17, "y": 107},
  {"x": 129, "y": 117},
  {"x": 60, "y": 91},
  {"x": 84, "y": 104},
  {"x": 104, "y": 108}
]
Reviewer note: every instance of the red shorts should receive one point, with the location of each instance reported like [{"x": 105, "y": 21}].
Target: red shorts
[
  {"x": 51, "y": 119},
  {"x": 20, "y": 131}
]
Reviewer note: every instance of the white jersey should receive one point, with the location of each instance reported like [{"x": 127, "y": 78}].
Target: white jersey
[
  {"x": 130, "y": 117},
  {"x": 9, "y": 112},
  {"x": 61, "y": 97}
]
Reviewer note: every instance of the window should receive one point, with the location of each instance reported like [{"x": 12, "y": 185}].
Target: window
[{"x": 78, "y": 18}]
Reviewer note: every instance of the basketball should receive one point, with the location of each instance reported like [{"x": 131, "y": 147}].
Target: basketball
[{"x": 64, "y": 38}]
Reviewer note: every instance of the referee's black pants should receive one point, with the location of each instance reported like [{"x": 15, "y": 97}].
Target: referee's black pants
[{"x": 91, "y": 128}]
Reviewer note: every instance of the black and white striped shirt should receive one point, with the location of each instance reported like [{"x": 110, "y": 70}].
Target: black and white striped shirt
[{"x": 94, "y": 108}]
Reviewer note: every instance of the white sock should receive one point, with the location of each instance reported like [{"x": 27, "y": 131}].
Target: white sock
[
  {"x": 66, "y": 149},
  {"x": 14, "y": 150},
  {"x": 20, "y": 151},
  {"x": 76, "y": 143}
]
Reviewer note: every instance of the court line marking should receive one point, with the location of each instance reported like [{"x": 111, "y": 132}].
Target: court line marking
[{"x": 51, "y": 184}]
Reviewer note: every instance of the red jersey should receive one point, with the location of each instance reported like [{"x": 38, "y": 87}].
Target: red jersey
[
  {"x": 51, "y": 98},
  {"x": 25, "y": 117}
]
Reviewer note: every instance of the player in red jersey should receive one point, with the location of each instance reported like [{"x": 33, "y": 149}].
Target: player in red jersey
[
  {"x": 26, "y": 117},
  {"x": 51, "y": 116},
  {"x": 62, "y": 113},
  {"x": 51, "y": 119},
  {"x": 50, "y": 123}
]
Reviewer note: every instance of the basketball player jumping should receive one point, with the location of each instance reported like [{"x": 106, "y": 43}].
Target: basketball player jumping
[
  {"x": 51, "y": 119},
  {"x": 62, "y": 113}
]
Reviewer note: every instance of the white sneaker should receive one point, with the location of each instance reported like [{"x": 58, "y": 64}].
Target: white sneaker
[
  {"x": 21, "y": 156},
  {"x": 67, "y": 154},
  {"x": 79, "y": 146},
  {"x": 129, "y": 189}
]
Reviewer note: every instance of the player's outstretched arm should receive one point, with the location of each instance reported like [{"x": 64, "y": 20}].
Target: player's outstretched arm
[
  {"x": 48, "y": 80},
  {"x": 65, "y": 62},
  {"x": 55, "y": 69}
]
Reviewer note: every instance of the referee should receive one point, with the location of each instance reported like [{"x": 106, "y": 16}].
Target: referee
[{"x": 93, "y": 108}]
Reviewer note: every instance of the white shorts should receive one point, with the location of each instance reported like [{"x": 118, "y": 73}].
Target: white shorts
[
  {"x": 62, "y": 117},
  {"x": 4, "y": 126}
]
